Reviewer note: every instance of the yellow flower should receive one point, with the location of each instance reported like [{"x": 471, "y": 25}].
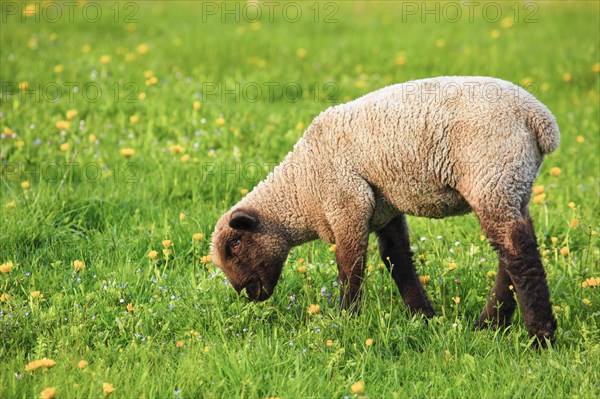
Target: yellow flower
[
  {"x": 586, "y": 302},
  {"x": 197, "y": 236},
  {"x": 105, "y": 59},
  {"x": 63, "y": 125},
  {"x": 574, "y": 223},
  {"x": 538, "y": 199},
  {"x": 36, "y": 364},
  {"x": 78, "y": 265},
  {"x": 24, "y": 85},
  {"x": 72, "y": 113},
  {"x": 555, "y": 171},
  {"x": 300, "y": 126},
  {"x": 181, "y": 215},
  {"x": 127, "y": 152},
  {"x": 244, "y": 191},
  {"x": 301, "y": 53},
  {"x": 151, "y": 81},
  {"x": 20, "y": 144},
  {"x": 130, "y": 307},
  {"x": 526, "y": 81},
  {"x": 314, "y": 309},
  {"x": 153, "y": 254},
  {"x": 452, "y": 266},
  {"x": 25, "y": 185},
  {"x": 166, "y": 252},
  {"x": 6, "y": 267},
  {"x": 134, "y": 119},
  {"x": 206, "y": 259},
  {"x": 142, "y": 48},
  {"x": 566, "y": 77},
  {"x": 220, "y": 121},
  {"x": 596, "y": 67},
  {"x": 332, "y": 248},
  {"x": 358, "y": 388},
  {"x": 82, "y": 364},
  {"x": 554, "y": 240},
  {"x": 179, "y": 344},
  {"x": 439, "y": 43},
  {"x": 64, "y": 147},
  {"x": 564, "y": 251},
  {"x": 329, "y": 342},
  {"x": 537, "y": 190},
  {"x": 456, "y": 300},
  {"x": 167, "y": 243},
  {"x": 48, "y": 393},
  {"x": 176, "y": 149},
  {"x": 11, "y": 204},
  {"x": 359, "y": 84},
  {"x": 481, "y": 237},
  {"x": 506, "y": 22},
  {"x": 37, "y": 295},
  {"x": 400, "y": 59},
  {"x": 591, "y": 282},
  {"x": 197, "y": 105},
  {"x": 369, "y": 342},
  {"x": 185, "y": 158},
  {"x": 580, "y": 139},
  {"x": 4, "y": 297},
  {"x": 491, "y": 274},
  {"x": 86, "y": 48},
  {"x": 571, "y": 205},
  {"x": 302, "y": 269},
  {"x": 58, "y": 68},
  {"x": 424, "y": 279},
  {"x": 107, "y": 389},
  {"x": 148, "y": 74},
  {"x": 92, "y": 138},
  {"x": 142, "y": 96},
  {"x": 495, "y": 34}
]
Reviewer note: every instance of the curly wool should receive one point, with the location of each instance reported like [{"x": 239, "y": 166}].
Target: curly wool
[{"x": 433, "y": 147}]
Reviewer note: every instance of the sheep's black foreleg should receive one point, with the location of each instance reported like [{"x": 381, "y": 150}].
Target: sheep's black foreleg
[
  {"x": 394, "y": 248},
  {"x": 351, "y": 253}
]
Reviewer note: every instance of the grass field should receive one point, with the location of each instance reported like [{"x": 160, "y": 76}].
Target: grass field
[{"x": 130, "y": 127}]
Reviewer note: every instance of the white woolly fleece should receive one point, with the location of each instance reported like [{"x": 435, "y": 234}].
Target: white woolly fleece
[{"x": 433, "y": 147}]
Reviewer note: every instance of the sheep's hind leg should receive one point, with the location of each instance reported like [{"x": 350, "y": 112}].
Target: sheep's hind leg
[
  {"x": 394, "y": 248},
  {"x": 516, "y": 245}
]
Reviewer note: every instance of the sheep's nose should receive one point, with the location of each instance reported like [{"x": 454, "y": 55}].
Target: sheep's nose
[{"x": 253, "y": 289}]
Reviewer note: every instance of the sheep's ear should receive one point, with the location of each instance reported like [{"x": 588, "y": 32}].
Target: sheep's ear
[{"x": 241, "y": 220}]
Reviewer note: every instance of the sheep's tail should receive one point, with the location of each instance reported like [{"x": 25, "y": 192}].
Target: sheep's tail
[{"x": 543, "y": 123}]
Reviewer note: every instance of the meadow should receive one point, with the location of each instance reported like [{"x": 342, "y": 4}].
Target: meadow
[{"x": 128, "y": 128}]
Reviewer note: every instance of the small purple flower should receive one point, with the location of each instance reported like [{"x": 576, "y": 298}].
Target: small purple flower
[{"x": 457, "y": 281}]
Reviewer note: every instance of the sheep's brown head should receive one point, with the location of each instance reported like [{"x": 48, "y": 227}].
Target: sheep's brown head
[{"x": 250, "y": 252}]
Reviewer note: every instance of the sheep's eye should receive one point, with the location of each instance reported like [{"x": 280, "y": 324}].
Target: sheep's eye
[{"x": 234, "y": 245}]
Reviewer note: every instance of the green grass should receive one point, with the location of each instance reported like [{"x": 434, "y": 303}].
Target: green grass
[{"x": 91, "y": 203}]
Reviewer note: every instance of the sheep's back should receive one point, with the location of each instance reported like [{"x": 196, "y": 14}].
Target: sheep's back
[{"x": 426, "y": 145}]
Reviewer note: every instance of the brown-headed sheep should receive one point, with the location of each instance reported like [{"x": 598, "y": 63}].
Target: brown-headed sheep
[{"x": 434, "y": 147}]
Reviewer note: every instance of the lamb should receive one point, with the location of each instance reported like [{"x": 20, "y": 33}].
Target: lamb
[{"x": 435, "y": 147}]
